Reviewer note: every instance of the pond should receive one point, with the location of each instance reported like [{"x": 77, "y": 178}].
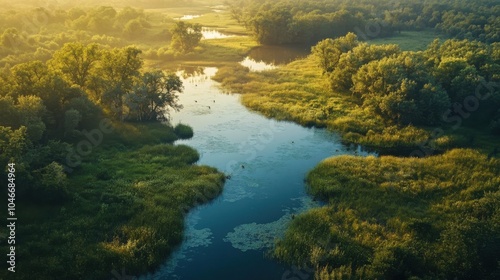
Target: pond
[
  {"x": 187, "y": 17},
  {"x": 210, "y": 33},
  {"x": 267, "y": 160},
  {"x": 269, "y": 57}
]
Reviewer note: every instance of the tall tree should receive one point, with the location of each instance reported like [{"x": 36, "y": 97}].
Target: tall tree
[
  {"x": 76, "y": 61},
  {"x": 153, "y": 96},
  {"x": 401, "y": 88},
  {"x": 31, "y": 111},
  {"x": 119, "y": 70},
  {"x": 186, "y": 36},
  {"x": 328, "y": 51}
]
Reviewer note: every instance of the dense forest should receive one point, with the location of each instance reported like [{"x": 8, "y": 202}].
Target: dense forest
[
  {"x": 307, "y": 22},
  {"x": 100, "y": 185}
]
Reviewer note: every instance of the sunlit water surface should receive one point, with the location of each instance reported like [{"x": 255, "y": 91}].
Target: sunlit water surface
[
  {"x": 210, "y": 33},
  {"x": 269, "y": 57},
  {"x": 187, "y": 17},
  {"x": 267, "y": 161}
]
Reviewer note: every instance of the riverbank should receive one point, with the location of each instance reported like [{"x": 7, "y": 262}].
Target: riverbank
[
  {"x": 392, "y": 218},
  {"x": 387, "y": 217},
  {"x": 299, "y": 92},
  {"x": 128, "y": 198}
]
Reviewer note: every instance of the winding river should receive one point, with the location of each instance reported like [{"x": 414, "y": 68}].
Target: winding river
[{"x": 267, "y": 161}]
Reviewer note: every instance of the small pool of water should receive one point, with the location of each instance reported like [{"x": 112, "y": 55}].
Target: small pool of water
[
  {"x": 187, "y": 17},
  {"x": 257, "y": 66},
  {"x": 267, "y": 160},
  {"x": 210, "y": 33},
  {"x": 269, "y": 57},
  {"x": 218, "y": 8}
]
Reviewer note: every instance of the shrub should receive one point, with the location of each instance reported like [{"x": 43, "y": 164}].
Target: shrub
[{"x": 183, "y": 131}]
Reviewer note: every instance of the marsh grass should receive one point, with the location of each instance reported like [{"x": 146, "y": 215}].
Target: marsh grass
[
  {"x": 128, "y": 200},
  {"x": 391, "y": 217}
]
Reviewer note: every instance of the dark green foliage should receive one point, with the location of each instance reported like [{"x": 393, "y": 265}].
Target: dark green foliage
[
  {"x": 401, "y": 88},
  {"x": 152, "y": 97},
  {"x": 183, "y": 131},
  {"x": 51, "y": 183}
]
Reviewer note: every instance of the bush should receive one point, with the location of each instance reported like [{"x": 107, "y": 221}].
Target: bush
[
  {"x": 52, "y": 183},
  {"x": 183, "y": 131}
]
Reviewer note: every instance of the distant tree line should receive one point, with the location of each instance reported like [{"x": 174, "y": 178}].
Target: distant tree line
[
  {"x": 298, "y": 21},
  {"x": 35, "y": 34}
]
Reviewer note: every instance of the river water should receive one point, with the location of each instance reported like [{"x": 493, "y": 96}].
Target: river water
[{"x": 267, "y": 162}]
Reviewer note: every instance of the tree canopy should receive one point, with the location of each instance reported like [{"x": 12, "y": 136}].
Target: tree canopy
[{"x": 186, "y": 36}]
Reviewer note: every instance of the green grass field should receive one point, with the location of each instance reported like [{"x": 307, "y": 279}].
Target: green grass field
[{"x": 410, "y": 40}]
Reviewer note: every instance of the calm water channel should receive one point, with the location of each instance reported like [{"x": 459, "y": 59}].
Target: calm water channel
[{"x": 267, "y": 160}]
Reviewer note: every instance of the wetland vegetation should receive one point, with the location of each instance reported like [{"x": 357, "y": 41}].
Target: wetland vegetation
[{"x": 85, "y": 95}]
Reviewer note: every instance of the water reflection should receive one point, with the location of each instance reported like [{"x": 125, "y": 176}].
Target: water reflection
[
  {"x": 267, "y": 161},
  {"x": 256, "y": 66},
  {"x": 187, "y": 17},
  {"x": 191, "y": 71},
  {"x": 269, "y": 57},
  {"x": 218, "y": 8},
  {"x": 210, "y": 33},
  {"x": 277, "y": 55}
]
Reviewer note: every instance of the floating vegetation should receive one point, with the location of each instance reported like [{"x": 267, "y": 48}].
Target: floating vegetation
[{"x": 254, "y": 236}]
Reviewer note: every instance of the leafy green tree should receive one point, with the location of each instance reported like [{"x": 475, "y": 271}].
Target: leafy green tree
[
  {"x": 327, "y": 54},
  {"x": 52, "y": 183},
  {"x": 9, "y": 116},
  {"x": 102, "y": 19},
  {"x": 118, "y": 71},
  {"x": 89, "y": 111},
  {"x": 127, "y": 14},
  {"x": 31, "y": 111},
  {"x": 186, "y": 36},
  {"x": 13, "y": 144},
  {"x": 29, "y": 78},
  {"x": 76, "y": 61},
  {"x": 11, "y": 39},
  {"x": 328, "y": 51},
  {"x": 401, "y": 89},
  {"x": 273, "y": 26},
  {"x": 349, "y": 63},
  {"x": 133, "y": 28},
  {"x": 153, "y": 96}
]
